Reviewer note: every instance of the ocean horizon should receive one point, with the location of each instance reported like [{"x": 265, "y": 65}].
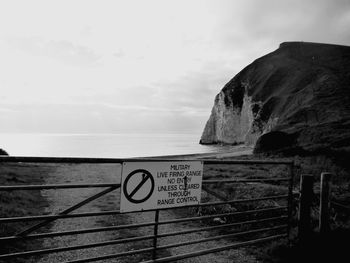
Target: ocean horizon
[{"x": 105, "y": 145}]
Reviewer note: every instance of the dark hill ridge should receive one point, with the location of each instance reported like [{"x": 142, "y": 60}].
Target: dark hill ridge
[{"x": 297, "y": 97}]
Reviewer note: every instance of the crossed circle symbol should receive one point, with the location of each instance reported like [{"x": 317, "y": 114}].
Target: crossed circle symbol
[{"x": 146, "y": 176}]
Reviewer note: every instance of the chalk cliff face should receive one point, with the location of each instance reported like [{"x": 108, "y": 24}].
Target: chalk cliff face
[{"x": 295, "y": 97}]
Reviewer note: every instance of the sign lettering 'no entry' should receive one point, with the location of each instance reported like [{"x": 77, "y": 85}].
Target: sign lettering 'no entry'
[{"x": 157, "y": 185}]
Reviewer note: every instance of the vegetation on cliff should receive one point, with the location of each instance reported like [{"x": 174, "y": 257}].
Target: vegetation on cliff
[
  {"x": 3, "y": 152},
  {"x": 295, "y": 98}
]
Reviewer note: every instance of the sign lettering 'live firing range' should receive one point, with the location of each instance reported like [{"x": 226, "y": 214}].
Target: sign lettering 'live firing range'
[{"x": 157, "y": 185}]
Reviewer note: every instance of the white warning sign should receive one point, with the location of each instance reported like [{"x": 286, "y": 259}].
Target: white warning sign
[{"x": 157, "y": 185}]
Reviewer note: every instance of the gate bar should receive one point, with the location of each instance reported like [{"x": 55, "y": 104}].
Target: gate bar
[
  {"x": 54, "y": 186},
  {"x": 42, "y": 217},
  {"x": 26, "y": 159},
  {"x": 68, "y": 210},
  {"x": 25, "y": 233},
  {"x": 133, "y": 239},
  {"x": 181, "y": 220},
  {"x": 76, "y": 160},
  {"x": 92, "y": 230},
  {"x": 201, "y": 240},
  {"x": 244, "y": 180},
  {"x": 214, "y": 193},
  {"x": 181, "y": 256},
  {"x": 215, "y": 161},
  {"x": 75, "y": 232},
  {"x": 220, "y": 226},
  {"x": 67, "y": 186},
  {"x": 64, "y": 249},
  {"x": 111, "y": 228},
  {"x": 217, "y": 249},
  {"x": 117, "y": 255},
  {"x": 238, "y": 201},
  {"x": 116, "y": 212}
]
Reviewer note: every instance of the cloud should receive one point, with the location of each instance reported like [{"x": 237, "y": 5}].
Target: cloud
[
  {"x": 278, "y": 21},
  {"x": 194, "y": 89},
  {"x": 7, "y": 110},
  {"x": 99, "y": 118},
  {"x": 154, "y": 65},
  {"x": 119, "y": 54},
  {"x": 62, "y": 50}
]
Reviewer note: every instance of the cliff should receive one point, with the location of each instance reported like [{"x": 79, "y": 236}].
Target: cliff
[
  {"x": 3, "y": 152},
  {"x": 297, "y": 97}
]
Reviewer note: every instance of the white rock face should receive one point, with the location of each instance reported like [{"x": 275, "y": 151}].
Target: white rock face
[
  {"x": 295, "y": 99},
  {"x": 229, "y": 124}
]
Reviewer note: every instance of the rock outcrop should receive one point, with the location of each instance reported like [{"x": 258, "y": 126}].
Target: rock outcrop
[
  {"x": 3, "y": 152},
  {"x": 297, "y": 97}
]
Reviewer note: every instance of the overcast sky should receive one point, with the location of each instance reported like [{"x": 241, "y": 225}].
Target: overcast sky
[{"x": 140, "y": 66}]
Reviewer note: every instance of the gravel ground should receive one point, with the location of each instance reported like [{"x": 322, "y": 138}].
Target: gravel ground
[
  {"x": 61, "y": 199},
  {"x": 91, "y": 173}
]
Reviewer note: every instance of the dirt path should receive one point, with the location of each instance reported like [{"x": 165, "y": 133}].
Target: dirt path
[
  {"x": 61, "y": 199},
  {"x": 91, "y": 173}
]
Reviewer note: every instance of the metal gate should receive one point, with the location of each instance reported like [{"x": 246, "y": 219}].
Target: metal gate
[{"x": 246, "y": 221}]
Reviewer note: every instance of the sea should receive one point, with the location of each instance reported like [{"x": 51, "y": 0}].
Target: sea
[{"x": 106, "y": 145}]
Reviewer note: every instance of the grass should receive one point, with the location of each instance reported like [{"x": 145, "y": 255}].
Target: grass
[
  {"x": 284, "y": 250},
  {"x": 229, "y": 191},
  {"x": 20, "y": 203},
  {"x": 126, "y": 233}
]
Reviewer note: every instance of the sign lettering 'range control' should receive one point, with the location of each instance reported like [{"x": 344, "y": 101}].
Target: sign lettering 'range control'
[{"x": 157, "y": 185}]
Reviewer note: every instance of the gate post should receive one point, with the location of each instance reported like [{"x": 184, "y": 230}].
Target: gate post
[
  {"x": 306, "y": 195},
  {"x": 155, "y": 232},
  {"x": 324, "y": 224},
  {"x": 290, "y": 199}
]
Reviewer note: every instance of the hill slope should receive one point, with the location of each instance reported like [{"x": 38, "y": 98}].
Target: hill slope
[{"x": 297, "y": 97}]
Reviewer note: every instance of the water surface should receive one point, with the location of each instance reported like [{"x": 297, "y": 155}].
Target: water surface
[{"x": 105, "y": 145}]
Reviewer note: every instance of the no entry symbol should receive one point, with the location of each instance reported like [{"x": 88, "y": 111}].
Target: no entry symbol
[{"x": 138, "y": 186}]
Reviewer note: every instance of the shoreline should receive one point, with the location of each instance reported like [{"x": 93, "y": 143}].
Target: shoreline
[
  {"x": 242, "y": 151},
  {"x": 227, "y": 153}
]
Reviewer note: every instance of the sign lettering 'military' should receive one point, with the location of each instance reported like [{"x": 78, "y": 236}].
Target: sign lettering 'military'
[{"x": 157, "y": 185}]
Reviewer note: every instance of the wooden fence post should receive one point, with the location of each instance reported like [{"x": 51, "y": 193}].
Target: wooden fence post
[
  {"x": 324, "y": 223},
  {"x": 306, "y": 196}
]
